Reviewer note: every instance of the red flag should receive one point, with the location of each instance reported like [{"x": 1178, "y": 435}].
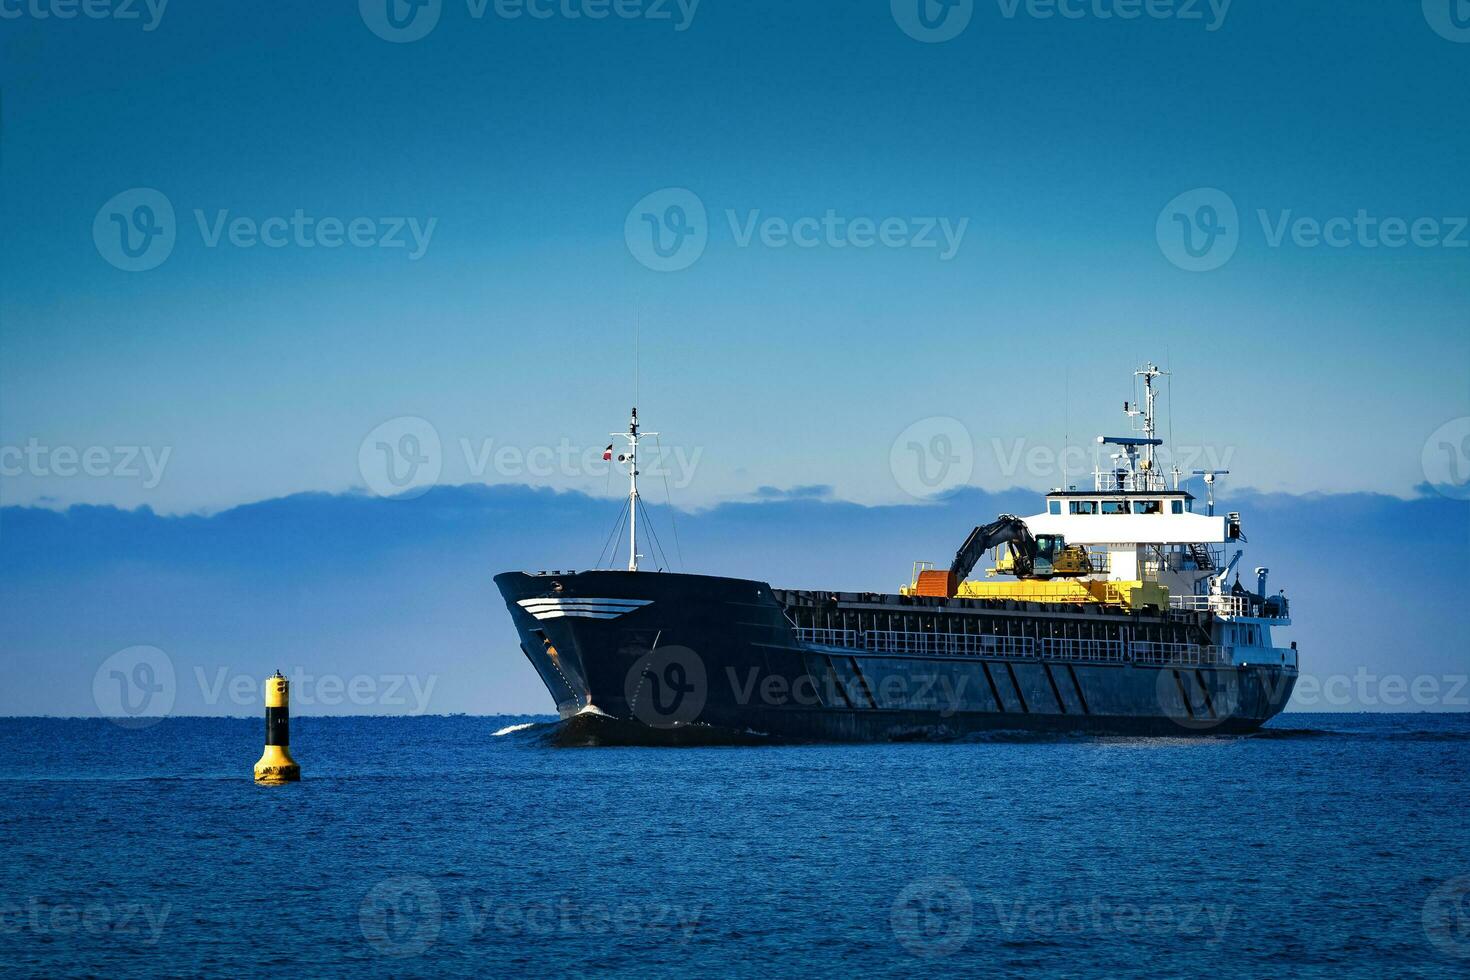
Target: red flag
[{"x": 607, "y": 453}]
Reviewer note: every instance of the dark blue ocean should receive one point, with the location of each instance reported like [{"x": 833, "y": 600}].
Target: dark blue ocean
[{"x": 1326, "y": 845}]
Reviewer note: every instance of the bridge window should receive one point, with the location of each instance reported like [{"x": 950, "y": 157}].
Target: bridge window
[
  {"x": 1148, "y": 506},
  {"x": 1177, "y": 506},
  {"x": 1053, "y": 506},
  {"x": 1115, "y": 506},
  {"x": 1083, "y": 507}
]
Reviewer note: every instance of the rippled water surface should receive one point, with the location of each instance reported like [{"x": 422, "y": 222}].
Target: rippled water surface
[{"x": 1327, "y": 844}]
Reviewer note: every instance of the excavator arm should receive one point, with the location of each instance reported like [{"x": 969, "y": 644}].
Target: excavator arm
[
  {"x": 1008, "y": 529},
  {"x": 1031, "y": 557}
]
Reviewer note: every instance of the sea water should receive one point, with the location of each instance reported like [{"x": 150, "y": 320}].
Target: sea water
[{"x": 1325, "y": 845}]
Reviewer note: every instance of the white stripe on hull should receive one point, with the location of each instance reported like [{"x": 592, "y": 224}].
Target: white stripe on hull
[{"x": 555, "y": 608}]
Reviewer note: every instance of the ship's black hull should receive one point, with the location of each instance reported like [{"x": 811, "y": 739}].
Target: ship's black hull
[{"x": 671, "y": 658}]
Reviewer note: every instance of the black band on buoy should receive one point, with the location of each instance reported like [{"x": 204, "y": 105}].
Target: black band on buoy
[{"x": 277, "y": 726}]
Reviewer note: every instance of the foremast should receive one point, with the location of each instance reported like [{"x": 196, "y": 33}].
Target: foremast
[{"x": 633, "y": 436}]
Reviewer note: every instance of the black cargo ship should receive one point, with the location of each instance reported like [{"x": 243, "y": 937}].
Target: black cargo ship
[
  {"x": 671, "y": 650},
  {"x": 1119, "y": 620}
]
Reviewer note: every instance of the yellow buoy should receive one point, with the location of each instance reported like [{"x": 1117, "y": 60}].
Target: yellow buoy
[{"x": 276, "y": 765}]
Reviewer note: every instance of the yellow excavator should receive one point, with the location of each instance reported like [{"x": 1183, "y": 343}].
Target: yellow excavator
[
  {"x": 1032, "y": 556},
  {"x": 1047, "y": 569}
]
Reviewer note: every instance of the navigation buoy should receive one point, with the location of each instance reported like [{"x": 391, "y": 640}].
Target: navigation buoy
[{"x": 276, "y": 765}]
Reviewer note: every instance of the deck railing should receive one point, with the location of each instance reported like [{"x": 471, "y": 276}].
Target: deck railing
[
  {"x": 1048, "y": 648},
  {"x": 1230, "y": 605}
]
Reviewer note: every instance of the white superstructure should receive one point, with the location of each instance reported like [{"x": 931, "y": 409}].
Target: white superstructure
[{"x": 1138, "y": 524}]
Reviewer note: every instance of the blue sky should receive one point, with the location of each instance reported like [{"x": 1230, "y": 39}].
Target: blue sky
[
  {"x": 1068, "y": 149},
  {"x": 263, "y": 266}
]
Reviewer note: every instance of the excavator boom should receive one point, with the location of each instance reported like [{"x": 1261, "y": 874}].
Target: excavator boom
[
  {"x": 1031, "y": 557},
  {"x": 1007, "y": 529}
]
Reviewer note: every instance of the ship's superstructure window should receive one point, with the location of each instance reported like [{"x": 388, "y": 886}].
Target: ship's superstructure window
[
  {"x": 1148, "y": 506},
  {"x": 1177, "y": 506},
  {"x": 1084, "y": 507},
  {"x": 1115, "y": 506},
  {"x": 1054, "y": 506}
]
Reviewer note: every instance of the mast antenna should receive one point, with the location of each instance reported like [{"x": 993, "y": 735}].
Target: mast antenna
[{"x": 633, "y": 436}]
